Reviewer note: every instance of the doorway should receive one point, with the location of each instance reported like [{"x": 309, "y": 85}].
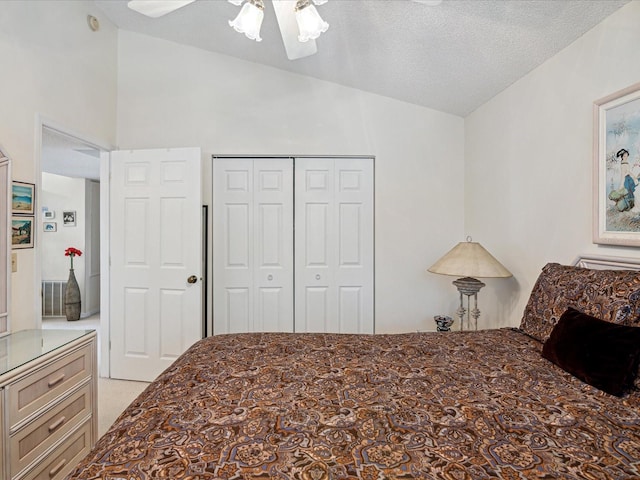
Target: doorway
[{"x": 69, "y": 203}]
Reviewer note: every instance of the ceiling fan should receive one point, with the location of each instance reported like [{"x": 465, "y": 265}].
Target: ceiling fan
[{"x": 299, "y": 21}]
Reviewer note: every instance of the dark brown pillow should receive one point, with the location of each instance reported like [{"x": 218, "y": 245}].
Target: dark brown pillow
[
  {"x": 602, "y": 354},
  {"x": 611, "y": 295}
]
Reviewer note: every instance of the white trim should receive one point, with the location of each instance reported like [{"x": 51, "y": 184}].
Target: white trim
[
  {"x": 9, "y": 251},
  {"x": 41, "y": 122},
  {"x": 604, "y": 262},
  {"x": 105, "y": 268},
  {"x": 37, "y": 277},
  {"x": 288, "y": 155},
  {"x": 51, "y": 124}
]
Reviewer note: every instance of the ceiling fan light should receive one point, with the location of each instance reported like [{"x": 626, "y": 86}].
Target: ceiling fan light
[
  {"x": 249, "y": 20},
  {"x": 310, "y": 24}
]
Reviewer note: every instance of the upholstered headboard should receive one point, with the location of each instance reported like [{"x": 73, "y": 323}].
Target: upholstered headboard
[{"x": 605, "y": 287}]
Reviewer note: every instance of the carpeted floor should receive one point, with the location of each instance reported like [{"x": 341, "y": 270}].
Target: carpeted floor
[{"x": 113, "y": 397}]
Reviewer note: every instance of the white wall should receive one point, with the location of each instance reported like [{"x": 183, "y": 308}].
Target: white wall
[
  {"x": 53, "y": 66},
  {"x": 171, "y": 95},
  {"x": 529, "y": 158},
  {"x": 60, "y": 194}
]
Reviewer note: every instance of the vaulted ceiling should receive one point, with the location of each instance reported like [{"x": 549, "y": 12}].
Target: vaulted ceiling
[{"x": 452, "y": 57}]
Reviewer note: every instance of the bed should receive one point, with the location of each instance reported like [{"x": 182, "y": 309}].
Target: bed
[{"x": 456, "y": 405}]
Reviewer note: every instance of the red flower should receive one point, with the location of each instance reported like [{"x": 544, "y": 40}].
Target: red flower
[{"x": 71, "y": 252}]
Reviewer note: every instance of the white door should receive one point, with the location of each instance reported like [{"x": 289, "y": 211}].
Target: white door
[
  {"x": 334, "y": 256},
  {"x": 252, "y": 245},
  {"x": 155, "y": 243}
]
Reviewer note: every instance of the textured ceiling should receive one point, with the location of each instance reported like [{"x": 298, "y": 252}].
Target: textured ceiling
[{"x": 452, "y": 57}]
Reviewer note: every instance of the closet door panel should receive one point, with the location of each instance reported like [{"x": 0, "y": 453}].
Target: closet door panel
[
  {"x": 253, "y": 245},
  {"x": 354, "y": 269},
  {"x": 273, "y": 245},
  {"x": 232, "y": 243},
  {"x": 314, "y": 252},
  {"x": 236, "y": 310},
  {"x": 350, "y": 235},
  {"x": 317, "y": 315},
  {"x": 350, "y": 310},
  {"x": 334, "y": 245},
  {"x": 317, "y": 233}
]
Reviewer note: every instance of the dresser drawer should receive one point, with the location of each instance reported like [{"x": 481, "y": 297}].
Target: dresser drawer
[
  {"x": 34, "y": 391},
  {"x": 67, "y": 455},
  {"x": 35, "y": 438}
]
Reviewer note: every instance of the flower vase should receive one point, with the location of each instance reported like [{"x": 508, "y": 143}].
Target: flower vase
[{"x": 72, "y": 298}]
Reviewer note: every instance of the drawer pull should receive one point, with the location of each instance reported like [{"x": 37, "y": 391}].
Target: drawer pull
[
  {"x": 57, "y": 424},
  {"x": 57, "y": 468},
  {"x": 56, "y": 381}
]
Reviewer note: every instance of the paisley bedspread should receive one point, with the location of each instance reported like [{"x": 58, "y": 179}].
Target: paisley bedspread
[{"x": 458, "y": 405}]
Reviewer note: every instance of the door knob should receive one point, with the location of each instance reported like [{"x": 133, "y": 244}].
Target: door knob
[
  {"x": 270, "y": 277},
  {"x": 192, "y": 279},
  {"x": 317, "y": 276}
]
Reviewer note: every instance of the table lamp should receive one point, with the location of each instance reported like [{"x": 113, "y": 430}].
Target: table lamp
[{"x": 467, "y": 260}]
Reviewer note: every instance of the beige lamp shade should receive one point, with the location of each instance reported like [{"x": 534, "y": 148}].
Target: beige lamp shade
[{"x": 470, "y": 259}]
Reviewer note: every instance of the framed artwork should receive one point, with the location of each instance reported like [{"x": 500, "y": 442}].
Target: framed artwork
[
  {"x": 48, "y": 214},
  {"x": 69, "y": 218},
  {"x": 21, "y": 232},
  {"x": 50, "y": 226},
  {"x": 22, "y": 198},
  {"x": 616, "y": 168}
]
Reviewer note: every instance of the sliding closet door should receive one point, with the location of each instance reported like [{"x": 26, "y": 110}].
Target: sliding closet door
[
  {"x": 253, "y": 245},
  {"x": 334, "y": 245}
]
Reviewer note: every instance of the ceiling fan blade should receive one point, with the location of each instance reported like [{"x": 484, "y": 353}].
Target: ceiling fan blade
[
  {"x": 157, "y": 8},
  {"x": 285, "y": 13}
]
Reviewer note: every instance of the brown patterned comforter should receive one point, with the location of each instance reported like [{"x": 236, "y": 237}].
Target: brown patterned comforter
[{"x": 453, "y": 405}]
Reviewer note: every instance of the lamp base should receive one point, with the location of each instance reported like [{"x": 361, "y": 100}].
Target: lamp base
[{"x": 469, "y": 287}]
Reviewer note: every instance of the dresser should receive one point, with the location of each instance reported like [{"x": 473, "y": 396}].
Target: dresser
[{"x": 48, "y": 402}]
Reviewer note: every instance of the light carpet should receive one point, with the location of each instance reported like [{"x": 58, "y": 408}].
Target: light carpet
[{"x": 113, "y": 397}]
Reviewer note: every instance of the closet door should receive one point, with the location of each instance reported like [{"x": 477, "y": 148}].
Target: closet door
[
  {"x": 5, "y": 187},
  {"x": 334, "y": 245},
  {"x": 253, "y": 245}
]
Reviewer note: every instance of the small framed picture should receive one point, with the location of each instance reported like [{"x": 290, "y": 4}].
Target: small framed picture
[
  {"x": 49, "y": 215},
  {"x": 21, "y": 232},
  {"x": 69, "y": 218},
  {"x": 22, "y": 198},
  {"x": 50, "y": 226}
]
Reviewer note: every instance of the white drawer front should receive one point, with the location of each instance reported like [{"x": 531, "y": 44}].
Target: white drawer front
[
  {"x": 34, "y": 391},
  {"x": 67, "y": 455},
  {"x": 35, "y": 438}
]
